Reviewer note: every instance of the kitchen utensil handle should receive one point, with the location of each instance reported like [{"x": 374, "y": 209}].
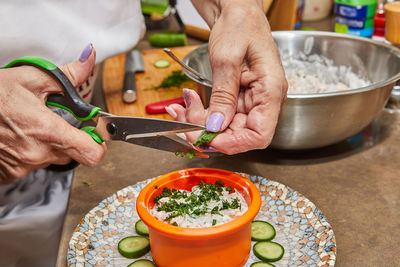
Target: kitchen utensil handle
[
  {"x": 129, "y": 89},
  {"x": 69, "y": 99},
  {"x": 159, "y": 107},
  {"x": 63, "y": 168}
]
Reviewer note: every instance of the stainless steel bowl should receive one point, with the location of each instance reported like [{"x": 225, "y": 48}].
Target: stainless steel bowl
[{"x": 315, "y": 120}]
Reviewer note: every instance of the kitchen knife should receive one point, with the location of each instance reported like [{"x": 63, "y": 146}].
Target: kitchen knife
[{"x": 133, "y": 63}]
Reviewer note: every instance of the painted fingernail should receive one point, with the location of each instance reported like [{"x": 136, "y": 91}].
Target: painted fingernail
[
  {"x": 207, "y": 148},
  {"x": 187, "y": 97},
  {"x": 215, "y": 122},
  {"x": 86, "y": 52},
  {"x": 171, "y": 112}
]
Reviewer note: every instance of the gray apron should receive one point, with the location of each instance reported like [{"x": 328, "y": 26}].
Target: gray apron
[
  {"x": 31, "y": 217},
  {"x": 32, "y": 212}
]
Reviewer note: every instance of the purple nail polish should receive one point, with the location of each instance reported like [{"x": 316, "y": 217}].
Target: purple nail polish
[
  {"x": 86, "y": 52},
  {"x": 187, "y": 97},
  {"x": 215, "y": 121},
  {"x": 207, "y": 148}
]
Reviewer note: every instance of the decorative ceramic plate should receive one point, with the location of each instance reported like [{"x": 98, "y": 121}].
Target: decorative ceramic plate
[{"x": 301, "y": 228}]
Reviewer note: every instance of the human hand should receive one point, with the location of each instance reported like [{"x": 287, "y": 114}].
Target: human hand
[
  {"x": 31, "y": 135},
  {"x": 249, "y": 84}
]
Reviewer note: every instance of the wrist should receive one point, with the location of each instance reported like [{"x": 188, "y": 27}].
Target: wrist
[
  {"x": 211, "y": 10},
  {"x": 253, "y": 3}
]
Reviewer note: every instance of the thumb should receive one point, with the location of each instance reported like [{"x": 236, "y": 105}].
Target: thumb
[
  {"x": 79, "y": 71},
  {"x": 225, "y": 89},
  {"x": 81, "y": 146},
  {"x": 76, "y": 143}
]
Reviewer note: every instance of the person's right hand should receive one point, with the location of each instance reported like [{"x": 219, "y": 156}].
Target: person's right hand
[{"x": 31, "y": 135}]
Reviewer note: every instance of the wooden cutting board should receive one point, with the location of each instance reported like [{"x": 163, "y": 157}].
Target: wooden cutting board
[{"x": 113, "y": 76}]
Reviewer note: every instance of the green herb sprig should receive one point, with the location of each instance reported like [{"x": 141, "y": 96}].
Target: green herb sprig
[
  {"x": 195, "y": 204},
  {"x": 175, "y": 79},
  {"x": 205, "y": 138}
]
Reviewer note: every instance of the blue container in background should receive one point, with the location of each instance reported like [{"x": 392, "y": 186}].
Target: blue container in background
[{"x": 355, "y": 17}]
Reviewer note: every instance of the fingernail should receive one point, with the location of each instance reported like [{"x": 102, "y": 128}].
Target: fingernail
[
  {"x": 187, "y": 97},
  {"x": 215, "y": 122},
  {"x": 171, "y": 112},
  {"x": 86, "y": 52},
  {"x": 207, "y": 148}
]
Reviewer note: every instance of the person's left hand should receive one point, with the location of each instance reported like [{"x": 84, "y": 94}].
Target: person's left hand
[{"x": 249, "y": 84}]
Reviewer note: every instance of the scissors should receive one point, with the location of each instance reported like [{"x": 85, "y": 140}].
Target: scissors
[{"x": 148, "y": 132}]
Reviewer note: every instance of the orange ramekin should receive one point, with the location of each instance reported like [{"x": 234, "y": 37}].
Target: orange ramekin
[{"x": 227, "y": 244}]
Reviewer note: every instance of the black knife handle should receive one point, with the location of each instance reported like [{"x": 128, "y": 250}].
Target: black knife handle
[{"x": 129, "y": 89}]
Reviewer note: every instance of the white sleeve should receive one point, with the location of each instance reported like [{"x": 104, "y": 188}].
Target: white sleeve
[{"x": 58, "y": 30}]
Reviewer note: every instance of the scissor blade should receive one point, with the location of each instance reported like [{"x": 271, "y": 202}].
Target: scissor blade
[
  {"x": 167, "y": 143},
  {"x": 124, "y": 128}
]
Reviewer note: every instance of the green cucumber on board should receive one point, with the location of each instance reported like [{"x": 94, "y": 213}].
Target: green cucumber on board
[
  {"x": 262, "y": 264},
  {"x": 142, "y": 263},
  {"x": 168, "y": 39},
  {"x": 141, "y": 228},
  {"x": 262, "y": 231},
  {"x": 134, "y": 246},
  {"x": 268, "y": 251}
]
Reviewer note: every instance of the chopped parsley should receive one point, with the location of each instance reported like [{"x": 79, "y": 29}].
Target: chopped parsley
[
  {"x": 179, "y": 153},
  {"x": 87, "y": 183},
  {"x": 175, "y": 79},
  {"x": 189, "y": 154},
  {"x": 165, "y": 193},
  {"x": 197, "y": 202}
]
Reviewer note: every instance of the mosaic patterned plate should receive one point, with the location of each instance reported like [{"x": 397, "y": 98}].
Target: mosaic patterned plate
[{"x": 301, "y": 228}]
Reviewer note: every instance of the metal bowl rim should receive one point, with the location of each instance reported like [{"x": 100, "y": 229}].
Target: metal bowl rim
[{"x": 370, "y": 87}]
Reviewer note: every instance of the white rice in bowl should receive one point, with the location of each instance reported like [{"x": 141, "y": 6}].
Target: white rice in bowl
[
  {"x": 206, "y": 205},
  {"x": 310, "y": 74}
]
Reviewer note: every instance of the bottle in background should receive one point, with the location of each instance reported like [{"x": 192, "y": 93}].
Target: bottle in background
[
  {"x": 379, "y": 22},
  {"x": 392, "y": 36},
  {"x": 392, "y": 23},
  {"x": 300, "y": 8},
  {"x": 355, "y": 17}
]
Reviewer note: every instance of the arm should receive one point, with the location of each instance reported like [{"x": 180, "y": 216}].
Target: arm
[
  {"x": 31, "y": 135},
  {"x": 249, "y": 84}
]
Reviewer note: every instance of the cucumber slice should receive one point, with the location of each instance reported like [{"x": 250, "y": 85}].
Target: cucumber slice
[
  {"x": 268, "y": 251},
  {"x": 167, "y": 39},
  {"x": 141, "y": 228},
  {"x": 142, "y": 263},
  {"x": 262, "y": 231},
  {"x": 262, "y": 264},
  {"x": 162, "y": 63},
  {"x": 134, "y": 246}
]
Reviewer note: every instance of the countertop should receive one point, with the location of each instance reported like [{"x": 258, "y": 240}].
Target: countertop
[{"x": 356, "y": 184}]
